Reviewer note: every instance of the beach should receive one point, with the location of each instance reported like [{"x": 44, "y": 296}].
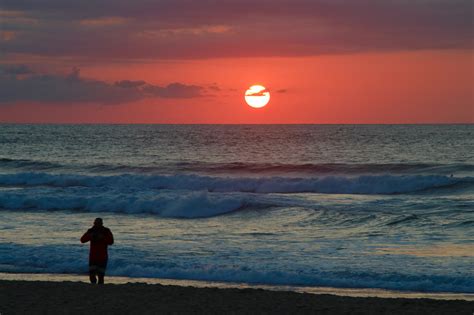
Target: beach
[{"x": 43, "y": 297}]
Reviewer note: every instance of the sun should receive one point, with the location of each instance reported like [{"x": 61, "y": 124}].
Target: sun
[{"x": 257, "y": 96}]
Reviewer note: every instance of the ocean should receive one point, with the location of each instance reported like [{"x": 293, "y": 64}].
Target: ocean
[{"x": 345, "y": 206}]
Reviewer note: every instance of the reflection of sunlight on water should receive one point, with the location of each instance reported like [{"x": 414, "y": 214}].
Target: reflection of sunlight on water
[{"x": 432, "y": 251}]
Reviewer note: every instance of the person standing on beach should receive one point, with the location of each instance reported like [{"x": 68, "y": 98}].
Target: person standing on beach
[{"x": 100, "y": 238}]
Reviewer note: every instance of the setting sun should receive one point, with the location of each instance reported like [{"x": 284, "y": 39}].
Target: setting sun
[{"x": 257, "y": 96}]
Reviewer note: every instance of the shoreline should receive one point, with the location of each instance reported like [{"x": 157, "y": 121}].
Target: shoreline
[
  {"x": 65, "y": 297},
  {"x": 198, "y": 284}
]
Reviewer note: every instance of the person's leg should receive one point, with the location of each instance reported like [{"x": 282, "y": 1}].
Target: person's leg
[
  {"x": 101, "y": 277},
  {"x": 92, "y": 274},
  {"x": 101, "y": 271},
  {"x": 92, "y": 277}
]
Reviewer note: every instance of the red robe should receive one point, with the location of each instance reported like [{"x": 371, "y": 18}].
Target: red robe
[{"x": 100, "y": 238}]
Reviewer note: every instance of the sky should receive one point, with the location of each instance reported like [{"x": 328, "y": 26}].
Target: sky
[{"x": 191, "y": 61}]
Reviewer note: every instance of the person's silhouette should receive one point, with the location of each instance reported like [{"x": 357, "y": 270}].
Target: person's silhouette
[{"x": 100, "y": 238}]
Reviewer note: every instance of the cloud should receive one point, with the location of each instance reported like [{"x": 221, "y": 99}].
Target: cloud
[
  {"x": 105, "y": 21},
  {"x": 72, "y": 88},
  {"x": 185, "y": 29},
  {"x": 282, "y": 91},
  {"x": 259, "y": 93},
  {"x": 214, "y": 87},
  {"x": 174, "y": 90},
  {"x": 15, "y": 69},
  {"x": 129, "y": 84}
]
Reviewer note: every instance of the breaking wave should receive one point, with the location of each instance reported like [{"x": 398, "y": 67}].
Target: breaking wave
[
  {"x": 381, "y": 184},
  {"x": 246, "y": 168},
  {"x": 70, "y": 259},
  {"x": 183, "y": 205}
]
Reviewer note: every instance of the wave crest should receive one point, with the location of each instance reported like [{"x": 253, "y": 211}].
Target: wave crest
[
  {"x": 281, "y": 169},
  {"x": 382, "y": 184},
  {"x": 184, "y": 205}
]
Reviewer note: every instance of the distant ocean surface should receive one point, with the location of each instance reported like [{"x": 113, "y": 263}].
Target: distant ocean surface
[{"x": 359, "y": 206}]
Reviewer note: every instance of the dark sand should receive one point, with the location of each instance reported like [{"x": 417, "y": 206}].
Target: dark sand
[{"x": 35, "y": 297}]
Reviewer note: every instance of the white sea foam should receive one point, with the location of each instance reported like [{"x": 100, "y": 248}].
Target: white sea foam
[
  {"x": 73, "y": 259},
  {"x": 191, "y": 196}
]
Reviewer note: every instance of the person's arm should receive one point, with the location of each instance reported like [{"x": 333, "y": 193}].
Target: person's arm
[
  {"x": 86, "y": 237},
  {"x": 110, "y": 238}
]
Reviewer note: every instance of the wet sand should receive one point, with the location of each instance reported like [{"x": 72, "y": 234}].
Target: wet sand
[{"x": 43, "y": 297}]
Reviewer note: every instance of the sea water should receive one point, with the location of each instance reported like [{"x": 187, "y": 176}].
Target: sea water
[{"x": 350, "y": 206}]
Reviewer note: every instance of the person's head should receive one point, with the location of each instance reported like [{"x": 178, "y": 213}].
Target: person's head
[{"x": 98, "y": 222}]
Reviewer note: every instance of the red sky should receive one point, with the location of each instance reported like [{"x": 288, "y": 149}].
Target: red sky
[{"x": 198, "y": 73}]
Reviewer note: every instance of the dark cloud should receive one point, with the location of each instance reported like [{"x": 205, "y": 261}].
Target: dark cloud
[
  {"x": 174, "y": 90},
  {"x": 259, "y": 93},
  {"x": 72, "y": 88},
  {"x": 129, "y": 84},
  {"x": 226, "y": 28},
  {"x": 282, "y": 91},
  {"x": 214, "y": 88},
  {"x": 15, "y": 69}
]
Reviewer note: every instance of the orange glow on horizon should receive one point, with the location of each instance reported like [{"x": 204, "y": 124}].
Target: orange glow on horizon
[{"x": 402, "y": 87}]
